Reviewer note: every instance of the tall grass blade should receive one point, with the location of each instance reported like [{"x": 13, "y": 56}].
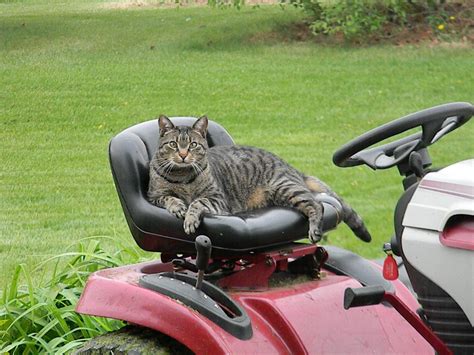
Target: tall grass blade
[
  {"x": 14, "y": 284},
  {"x": 29, "y": 283}
]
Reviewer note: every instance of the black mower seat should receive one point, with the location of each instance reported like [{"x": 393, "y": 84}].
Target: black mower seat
[{"x": 154, "y": 229}]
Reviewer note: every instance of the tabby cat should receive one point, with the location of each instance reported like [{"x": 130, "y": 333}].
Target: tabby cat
[{"x": 190, "y": 179}]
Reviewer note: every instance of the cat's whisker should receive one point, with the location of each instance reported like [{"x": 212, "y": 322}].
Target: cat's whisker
[
  {"x": 198, "y": 168},
  {"x": 195, "y": 168},
  {"x": 170, "y": 168},
  {"x": 165, "y": 166},
  {"x": 161, "y": 164},
  {"x": 165, "y": 163}
]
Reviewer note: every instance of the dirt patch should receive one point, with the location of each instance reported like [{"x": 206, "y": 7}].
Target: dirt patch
[
  {"x": 136, "y": 4},
  {"x": 457, "y": 32}
]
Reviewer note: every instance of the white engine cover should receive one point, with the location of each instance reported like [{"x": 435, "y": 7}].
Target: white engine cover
[{"x": 439, "y": 196}]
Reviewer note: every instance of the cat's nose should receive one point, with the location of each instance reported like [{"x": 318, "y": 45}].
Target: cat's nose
[{"x": 183, "y": 153}]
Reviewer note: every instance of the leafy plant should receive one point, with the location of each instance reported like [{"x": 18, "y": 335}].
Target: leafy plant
[
  {"x": 351, "y": 18},
  {"x": 41, "y": 318},
  {"x": 361, "y": 19}
]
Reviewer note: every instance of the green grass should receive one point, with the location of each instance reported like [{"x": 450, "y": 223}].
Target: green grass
[{"x": 72, "y": 75}]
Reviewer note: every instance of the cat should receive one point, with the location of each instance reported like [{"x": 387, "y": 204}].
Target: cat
[{"x": 190, "y": 179}]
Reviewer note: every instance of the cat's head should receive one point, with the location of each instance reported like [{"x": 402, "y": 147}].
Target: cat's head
[{"x": 182, "y": 145}]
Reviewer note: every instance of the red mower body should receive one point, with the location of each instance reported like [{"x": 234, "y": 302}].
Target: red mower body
[
  {"x": 330, "y": 301},
  {"x": 307, "y": 317}
]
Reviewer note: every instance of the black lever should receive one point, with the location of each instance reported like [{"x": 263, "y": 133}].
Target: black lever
[
  {"x": 363, "y": 296},
  {"x": 416, "y": 164},
  {"x": 203, "y": 249}
]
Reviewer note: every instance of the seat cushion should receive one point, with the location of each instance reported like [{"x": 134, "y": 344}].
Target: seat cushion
[{"x": 154, "y": 229}]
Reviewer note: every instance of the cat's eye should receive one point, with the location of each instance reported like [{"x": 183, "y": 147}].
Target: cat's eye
[
  {"x": 193, "y": 145},
  {"x": 173, "y": 144}
]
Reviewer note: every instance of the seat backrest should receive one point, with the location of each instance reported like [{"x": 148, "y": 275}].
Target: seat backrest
[{"x": 154, "y": 229}]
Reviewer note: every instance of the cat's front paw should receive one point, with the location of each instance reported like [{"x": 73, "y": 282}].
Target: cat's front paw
[
  {"x": 191, "y": 223},
  {"x": 315, "y": 233},
  {"x": 177, "y": 208}
]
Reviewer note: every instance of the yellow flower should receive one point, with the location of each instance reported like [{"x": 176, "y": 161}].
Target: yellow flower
[
  {"x": 441, "y": 27},
  {"x": 452, "y": 18}
]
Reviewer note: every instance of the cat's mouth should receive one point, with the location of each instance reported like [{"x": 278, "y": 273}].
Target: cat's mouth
[{"x": 182, "y": 164}]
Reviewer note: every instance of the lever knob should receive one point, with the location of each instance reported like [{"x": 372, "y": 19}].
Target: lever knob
[{"x": 203, "y": 249}]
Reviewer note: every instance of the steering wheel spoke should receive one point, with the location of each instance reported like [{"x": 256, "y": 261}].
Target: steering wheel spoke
[
  {"x": 447, "y": 126},
  {"x": 383, "y": 158},
  {"x": 369, "y": 157}
]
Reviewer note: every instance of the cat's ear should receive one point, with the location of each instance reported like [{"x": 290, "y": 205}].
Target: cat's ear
[
  {"x": 200, "y": 126},
  {"x": 165, "y": 125}
]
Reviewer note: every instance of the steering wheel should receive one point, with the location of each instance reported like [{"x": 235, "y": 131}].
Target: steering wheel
[{"x": 435, "y": 122}]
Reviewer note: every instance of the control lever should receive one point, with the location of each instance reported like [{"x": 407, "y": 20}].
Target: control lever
[
  {"x": 203, "y": 249},
  {"x": 416, "y": 164}
]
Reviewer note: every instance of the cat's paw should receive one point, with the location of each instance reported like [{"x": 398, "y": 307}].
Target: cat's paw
[
  {"x": 177, "y": 208},
  {"x": 191, "y": 224},
  {"x": 315, "y": 233}
]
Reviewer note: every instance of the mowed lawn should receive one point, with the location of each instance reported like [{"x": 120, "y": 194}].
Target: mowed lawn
[{"x": 73, "y": 75}]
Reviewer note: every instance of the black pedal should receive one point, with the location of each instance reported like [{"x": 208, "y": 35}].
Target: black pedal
[{"x": 363, "y": 296}]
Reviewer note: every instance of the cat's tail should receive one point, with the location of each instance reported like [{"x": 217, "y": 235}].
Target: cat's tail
[
  {"x": 355, "y": 222},
  {"x": 350, "y": 217}
]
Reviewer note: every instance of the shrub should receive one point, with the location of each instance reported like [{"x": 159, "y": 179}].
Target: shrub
[
  {"x": 363, "y": 19},
  {"x": 352, "y": 18}
]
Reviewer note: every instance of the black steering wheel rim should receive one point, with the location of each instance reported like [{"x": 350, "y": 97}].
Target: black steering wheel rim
[{"x": 435, "y": 122}]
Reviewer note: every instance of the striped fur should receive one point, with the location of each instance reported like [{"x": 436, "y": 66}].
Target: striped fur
[{"x": 189, "y": 179}]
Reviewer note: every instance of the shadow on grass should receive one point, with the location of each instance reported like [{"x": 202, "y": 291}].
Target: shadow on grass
[{"x": 170, "y": 30}]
